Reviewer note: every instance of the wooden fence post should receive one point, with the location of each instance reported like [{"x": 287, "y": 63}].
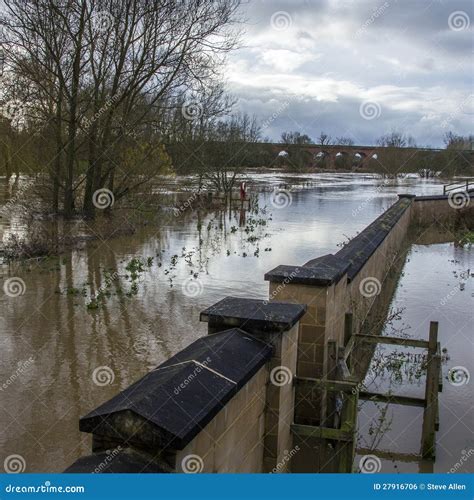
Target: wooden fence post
[
  {"x": 348, "y": 332},
  {"x": 428, "y": 448}
]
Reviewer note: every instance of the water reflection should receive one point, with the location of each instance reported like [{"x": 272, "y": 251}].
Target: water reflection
[{"x": 131, "y": 334}]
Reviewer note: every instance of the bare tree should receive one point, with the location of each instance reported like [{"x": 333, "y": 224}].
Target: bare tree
[
  {"x": 324, "y": 139},
  {"x": 295, "y": 138},
  {"x": 103, "y": 69},
  {"x": 344, "y": 141}
]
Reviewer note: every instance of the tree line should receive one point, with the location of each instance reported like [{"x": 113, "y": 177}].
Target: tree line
[
  {"x": 100, "y": 95},
  {"x": 91, "y": 84}
]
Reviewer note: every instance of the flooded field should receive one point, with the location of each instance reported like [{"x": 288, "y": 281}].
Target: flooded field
[
  {"x": 437, "y": 284},
  {"x": 131, "y": 302}
]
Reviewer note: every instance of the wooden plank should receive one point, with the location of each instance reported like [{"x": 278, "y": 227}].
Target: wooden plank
[
  {"x": 392, "y": 399},
  {"x": 321, "y": 432},
  {"x": 379, "y": 339},
  {"x": 330, "y": 385},
  {"x": 347, "y": 328},
  {"x": 346, "y": 449},
  {"x": 440, "y": 372},
  {"x": 428, "y": 448},
  {"x": 329, "y": 401},
  {"x": 348, "y": 349},
  {"x": 343, "y": 370}
]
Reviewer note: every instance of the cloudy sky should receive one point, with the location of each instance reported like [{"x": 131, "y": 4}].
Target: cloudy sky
[{"x": 357, "y": 68}]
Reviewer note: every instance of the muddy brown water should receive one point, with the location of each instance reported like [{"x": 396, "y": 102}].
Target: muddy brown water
[{"x": 52, "y": 342}]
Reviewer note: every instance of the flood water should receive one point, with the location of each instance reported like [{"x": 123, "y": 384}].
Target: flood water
[{"x": 53, "y": 336}]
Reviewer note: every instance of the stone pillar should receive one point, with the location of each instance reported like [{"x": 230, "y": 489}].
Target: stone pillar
[
  {"x": 276, "y": 324},
  {"x": 321, "y": 285},
  {"x": 202, "y": 410}
]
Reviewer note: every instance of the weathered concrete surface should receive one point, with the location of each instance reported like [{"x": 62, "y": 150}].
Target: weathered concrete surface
[
  {"x": 444, "y": 211},
  {"x": 169, "y": 406},
  {"x": 251, "y": 315}
]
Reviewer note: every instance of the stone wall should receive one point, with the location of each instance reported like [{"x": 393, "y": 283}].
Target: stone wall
[
  {"x": 227, "y": 402},
  {"x": 233, "y": 440}
]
